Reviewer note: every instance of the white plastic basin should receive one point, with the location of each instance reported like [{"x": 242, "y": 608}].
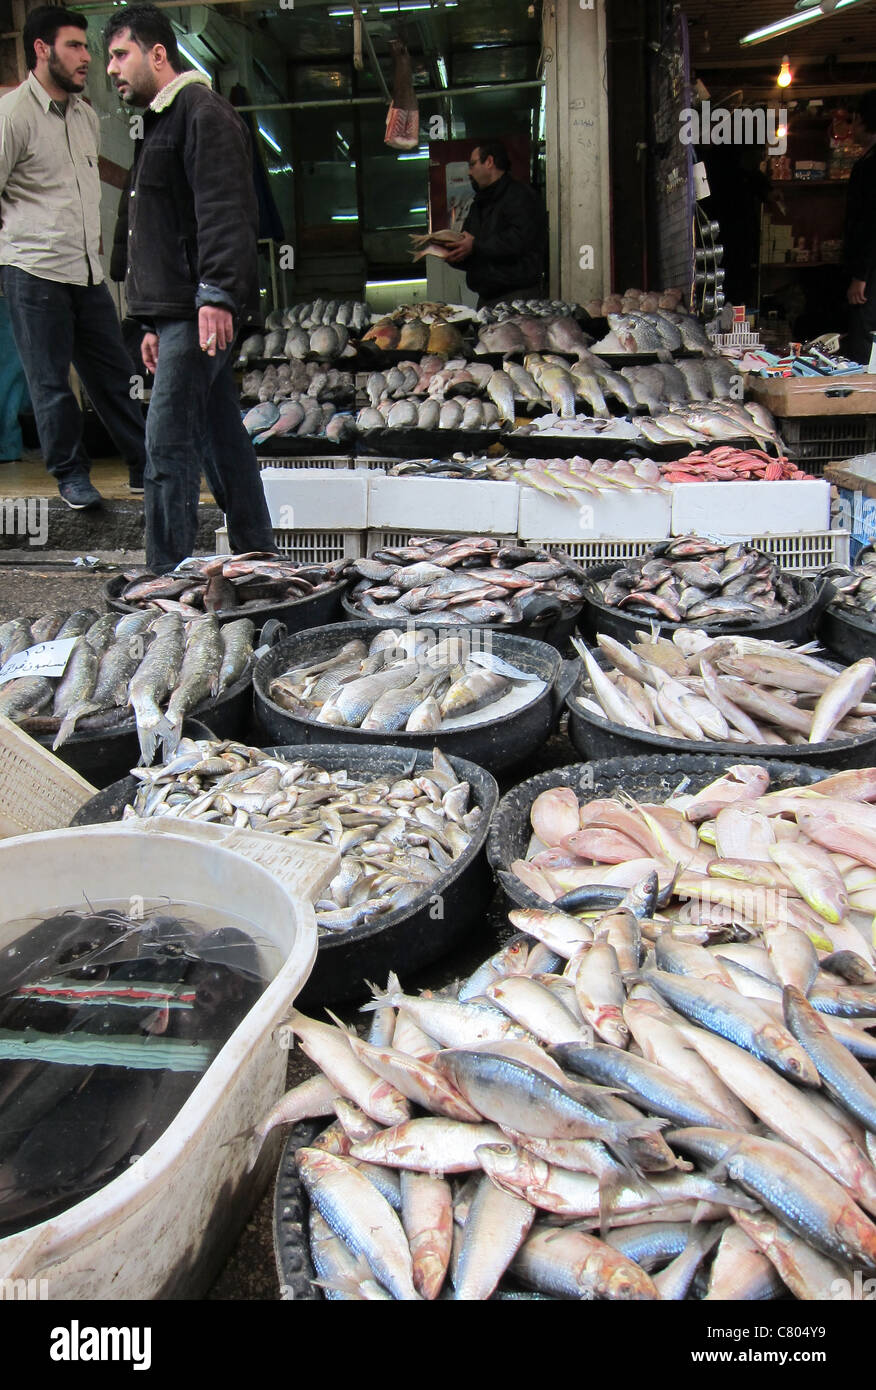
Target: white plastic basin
[{"x": 160, "y": 1228}]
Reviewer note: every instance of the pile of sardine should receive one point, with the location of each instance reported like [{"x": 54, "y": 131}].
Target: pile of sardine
[
  {"x": 322, "y": 329},
  {"x": 528, "y": 308},
  {"x": 415, "y": 394},
  {"x": 638, "y": 301},
  {"x": 225, "y": 583},
  {"x": 700, "y": 424},
  {"x": 585, "y": 426},
  {"x": 732, "y": 689},
  {"x": 574, "y": 480},
  {"x": 531, "y": 333},
  {"x": 298, "y": 379},
  {"x": 645, "y": 1105},
  {"x": 662, "y": 331},
  {"x": 401, "y": 680},
  {"x": 397, "y": 834},
  {"x": 690, "y": 579},
  {"x": 476, "y": 579},
  {"x": 155, "y": 666},
  {"x": 856, "y": 591}
]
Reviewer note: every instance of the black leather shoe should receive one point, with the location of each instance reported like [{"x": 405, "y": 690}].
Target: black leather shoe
[{"x": 79, "y": 494}]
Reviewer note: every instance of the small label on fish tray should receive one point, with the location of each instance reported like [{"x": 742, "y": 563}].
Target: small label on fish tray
[{"x": 45, "y": 659}]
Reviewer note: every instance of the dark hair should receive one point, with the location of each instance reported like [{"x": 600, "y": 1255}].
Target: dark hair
[
  {"x": 496, "y": 150},
  {"x": 867, "y": 110},
  {"x": 44, "y": 24},
  {"x": 148, "y": 26}
]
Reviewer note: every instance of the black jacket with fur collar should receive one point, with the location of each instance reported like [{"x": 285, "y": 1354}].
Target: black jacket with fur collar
[{"x": 187, "y": 224}]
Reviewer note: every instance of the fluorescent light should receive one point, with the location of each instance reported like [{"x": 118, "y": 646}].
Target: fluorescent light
[
  {"x": 420, "y": 209},
  {"x": 282, "y": 169},
  {"x": 190, "y": 58},
  {"x": 442, "y": 72},
  {"x": 792, "y": 21},
  {"x": 396, "y": 284},
  {"x": 269, "y": 139},
  {"x": 415, "y": 154},
  {"x": 345, "y": 217}
]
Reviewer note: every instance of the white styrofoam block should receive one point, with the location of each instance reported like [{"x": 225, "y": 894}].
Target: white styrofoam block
[
  {"x": 626, "y": 515},
  {"x": 750, "y": 508},
  {"x": 305, "y": 501},
  {"x": 471, "y": 508}
]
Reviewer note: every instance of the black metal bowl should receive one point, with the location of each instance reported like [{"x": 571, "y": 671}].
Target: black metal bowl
[
  {"x": 313, "y": 611},
  {"x": 796, "y": 626},
  {"x": 847, "y": 634},
  {"x": 645, "y": 778},
  {"x": 403, "y": 940},
  {"x": 601, "y": 738},
  {"x": 495, "y": 744}
]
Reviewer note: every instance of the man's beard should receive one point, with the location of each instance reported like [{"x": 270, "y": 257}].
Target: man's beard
[{"x": 61, "y": 79}]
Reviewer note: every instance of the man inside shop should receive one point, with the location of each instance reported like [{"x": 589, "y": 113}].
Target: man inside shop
[
  {"x": 505, "y": 234},
  {"x": 60, "y": 308},
  {"x": 860, "y": 242},
  {"x": 188, "y": 221}
]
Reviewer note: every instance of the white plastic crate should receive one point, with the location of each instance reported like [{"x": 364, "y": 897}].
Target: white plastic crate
[
  {"x": 367, "y": 464},
  {"x": 806, "y": 553},
  {"x": 444, "y": 504},
  {"x": 738, "y": 509},
  {"x": 387, "y": 539},
  {"x": 333, "y": 461},
  {"x": 609, "y": 516},
  {"x": 305, "y": 501},
  {"x": 308, "y": 547},
  {"x": 797, "y": 554}
]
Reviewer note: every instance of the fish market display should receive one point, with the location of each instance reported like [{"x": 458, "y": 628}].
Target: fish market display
[
  {"x": 660, "y": 386},
  {"x": 669, "y": 1098},
  {"x": 107, "y": 1024},
  {"x": 725, "y": 465},
  {"x": 321, "y": 328},
  {"x": 296, "y": 381},
  {"x": 476, "y": 579},
  {"x": 698, "y": 424},
  {"x": 573, "y": 480},
  {"x": 153, "y": 666},
  {"x": 299, "y": 415},
  {"x": 728, "y": 689},
  {"x": 402, "y": 681},
  {"x": 690, "y": 579},
  {"x": 663, "y": 330},
  {"x": 856, "y": 591},
  {"x": 533, "y": 333},
  {"x": 528, "y": 308},
  {"x": 397, "y": 835},
  {"x": 641, "y": 301},
  {"x": 428, "y": 328},
  {"x": 222, "y": 583},
  {"x": 584, "y": 426}
]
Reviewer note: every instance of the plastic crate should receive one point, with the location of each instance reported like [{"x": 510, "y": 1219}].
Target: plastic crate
[
  {"x": 817, "y": 440},
  {"x": 308, "y": 547},
  {"x": 396, "y": 540},
  {"x": 37, "y": 791},
  {"x": 804, "y": 554},
  {"x": 336, "y": 461}
]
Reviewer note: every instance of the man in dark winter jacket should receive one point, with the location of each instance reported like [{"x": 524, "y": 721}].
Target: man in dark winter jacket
[
  {"x": 505, "y": 233},
  {"x": 860, "y": 246},
  {"x": 188, "y": 222}
]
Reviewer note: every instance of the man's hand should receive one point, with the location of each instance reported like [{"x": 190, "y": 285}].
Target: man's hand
[
  {"x": 215, "y": 329},
  {"x": 857, "y": 293},
  {"x": 149, "y": 352},
  {"x": 463, "y": 250}
]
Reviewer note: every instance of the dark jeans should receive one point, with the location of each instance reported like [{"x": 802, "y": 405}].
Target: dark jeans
[
  {"x": 13, "y": 390},
  {"x": 55, "y": 325},
  {"x": 194, "y": 422}
]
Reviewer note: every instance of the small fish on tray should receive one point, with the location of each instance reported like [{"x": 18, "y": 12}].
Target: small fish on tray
[{"x": 225, "y": 583}]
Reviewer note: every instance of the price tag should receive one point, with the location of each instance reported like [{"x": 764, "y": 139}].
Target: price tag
[{"x": 45, "y": 659}]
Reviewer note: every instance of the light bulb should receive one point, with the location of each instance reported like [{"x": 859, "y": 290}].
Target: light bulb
[{"x": 785, "y": 77}]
